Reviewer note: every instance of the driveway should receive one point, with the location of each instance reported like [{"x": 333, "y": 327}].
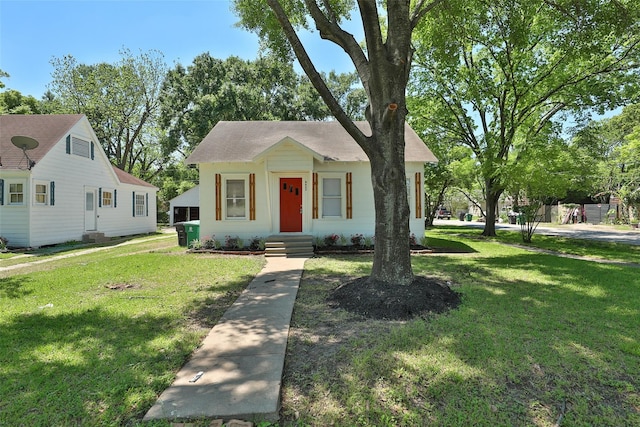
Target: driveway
[{"x": 575, "y": 231}]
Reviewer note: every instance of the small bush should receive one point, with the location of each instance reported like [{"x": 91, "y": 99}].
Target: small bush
[
  {"x": 357, "y": 239},
  {"x": 232, "y": 242},
  {"x": 3, "y": 243},
  {"x": 331, "y": 239}
]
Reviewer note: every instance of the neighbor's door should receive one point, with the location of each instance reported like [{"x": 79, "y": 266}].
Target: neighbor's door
[
  {"x": 290, "y": 204},
  {"x": 90, "y": 210}
]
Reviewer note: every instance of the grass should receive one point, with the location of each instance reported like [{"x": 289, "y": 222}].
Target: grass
[
  {"x": 579, "y": 247},
  {"x": 94, "y": 339},
  {"x": 538, "y": 341}
]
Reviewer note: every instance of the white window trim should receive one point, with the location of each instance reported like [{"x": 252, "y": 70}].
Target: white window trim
[
  {"x": 228, "y": 177},
  {"x": 343, "y": 194},
  {"x": 7, "y": 186},
  {"x": 46, "y": 185}
]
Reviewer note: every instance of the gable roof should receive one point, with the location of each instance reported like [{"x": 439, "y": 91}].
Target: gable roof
[
  {"x": 47, "y": 129},
  {"x": 246, "y": 141}
]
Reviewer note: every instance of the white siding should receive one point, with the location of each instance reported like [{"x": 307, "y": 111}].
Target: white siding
[
  {"x": 36, "y": 225},
  {"x": 14, "y": 219},
  {"x": 296, "y": 163},
  {"x": 189, "y": 198}
]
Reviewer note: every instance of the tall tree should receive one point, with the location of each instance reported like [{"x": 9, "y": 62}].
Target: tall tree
[
  {"x": 613, "y": 145},
  {"x": 383, "y": 67},
  {"x": 499, "y": 71},
  {"x": 121, "y": 101},
  {"x": 195, "y": 98}
]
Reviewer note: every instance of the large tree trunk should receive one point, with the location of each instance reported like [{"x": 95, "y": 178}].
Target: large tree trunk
[
  {"x": 392, "y": 257},
  {"x": 493, "y": 196}
]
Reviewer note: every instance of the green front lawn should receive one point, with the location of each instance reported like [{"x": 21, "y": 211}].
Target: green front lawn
[
  {"x": 94, "y": 339},
  {"x": 539, "y": 340}
]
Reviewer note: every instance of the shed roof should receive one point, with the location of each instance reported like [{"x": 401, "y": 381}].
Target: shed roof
[{"x": 246, "y": 141}]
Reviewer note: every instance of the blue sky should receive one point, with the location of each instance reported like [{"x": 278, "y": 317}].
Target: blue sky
[{"x": 92, "y": 31}]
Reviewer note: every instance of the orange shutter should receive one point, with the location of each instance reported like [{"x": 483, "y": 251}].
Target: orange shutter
[
  {"x": 314, "y": 196},
  {"x": 252, "y": 197},
  {"x": 218, "y": 197},
  {"x": 349, "y": 198},
  {"x": 418, "y": 195}
]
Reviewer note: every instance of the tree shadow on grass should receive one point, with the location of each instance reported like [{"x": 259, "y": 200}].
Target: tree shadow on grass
[
  {"x": 553, "y": 341},
  {"x": 92, "y": 367},
  {"x": 14, "y": 287}
]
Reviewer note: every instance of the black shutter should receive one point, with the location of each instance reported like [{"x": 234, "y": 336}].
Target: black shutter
[
  {"x": 115, "y": 198},
  {"x": 1, "y": 192},
  {"x": 92, "y": 150},
  {"x": 100, "y": 197},
  {"x": 147, "y": 205},
  {"x": 52, "y": 193},
  {"x": 68, "y": 144},
  {"x": 134, "y": 203}
]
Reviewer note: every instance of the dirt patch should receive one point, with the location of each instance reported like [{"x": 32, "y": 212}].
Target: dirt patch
[
  {"x": 122, "y": 286},
  {"x": 379, "y": 300}
]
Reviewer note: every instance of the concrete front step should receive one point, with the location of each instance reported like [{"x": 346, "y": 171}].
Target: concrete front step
[
  {"x": 94, "y": 237},
  {"x": 289, "y": 245}
]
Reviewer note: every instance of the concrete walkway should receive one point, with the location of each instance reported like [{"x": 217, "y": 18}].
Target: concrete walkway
[{"x": 237, "y": 371}]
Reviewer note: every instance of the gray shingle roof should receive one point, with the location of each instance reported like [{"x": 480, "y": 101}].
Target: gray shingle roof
[{"x": 244, "y": 141}]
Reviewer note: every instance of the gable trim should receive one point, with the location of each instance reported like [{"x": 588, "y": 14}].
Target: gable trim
[{"x": 263, "y": 154}]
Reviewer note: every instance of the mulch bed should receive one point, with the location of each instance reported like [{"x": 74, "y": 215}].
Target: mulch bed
[{"x": 379, "y": 300}]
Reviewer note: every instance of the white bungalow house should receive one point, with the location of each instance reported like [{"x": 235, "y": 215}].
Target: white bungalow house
[
  {"x": 185, "y": 207},
  {"x": 65, "y": 188},
  {"x": 266, "y": 177}
]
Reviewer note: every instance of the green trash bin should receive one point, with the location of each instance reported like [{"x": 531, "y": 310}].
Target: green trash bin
[
  {"x": 192, "y": 228},
  {"x": 469, "y": 217},
  {"x": 521, "y": 219}
]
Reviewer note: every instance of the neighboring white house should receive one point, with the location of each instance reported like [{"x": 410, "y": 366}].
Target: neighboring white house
[
  {"x": 185, "y": 207},
  {"x": 263, "y": 178},
  {"x": 65, "y": 188}
]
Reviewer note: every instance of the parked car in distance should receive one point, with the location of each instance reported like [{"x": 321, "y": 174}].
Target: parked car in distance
[{"x": 443, "y": 213}]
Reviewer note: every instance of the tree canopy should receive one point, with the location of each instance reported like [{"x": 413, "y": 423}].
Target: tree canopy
[
  {"x": 494, "y": 74},
  {"x": 122, "y": 102},
  {"x": 196, "y": 97}
]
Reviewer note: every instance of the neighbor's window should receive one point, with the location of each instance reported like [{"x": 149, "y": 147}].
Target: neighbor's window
[
  {"x": 107, "y": 199},
  {"x": 236, "y": 202},
  {"x": 16, "y": 193},
  {"x": 81, "y": 147},
  {"x": 41, "y": 194},
  {"x": 331, "y": 197},
  {"x": 140, "y": 205}
]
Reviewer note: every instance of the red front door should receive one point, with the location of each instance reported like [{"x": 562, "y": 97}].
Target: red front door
[{"x": 290, "y": 204}]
